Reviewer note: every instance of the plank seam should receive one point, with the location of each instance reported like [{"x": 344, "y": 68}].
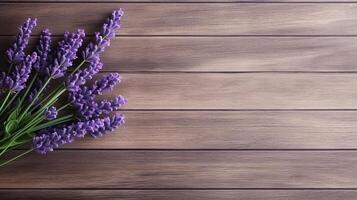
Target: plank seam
[
  {"x": 178, "y": 189},
  {"x": 182, "y": 2},
  {"x": 234, "y": 110},
  {"x": 234, "y": 72},
  {"x": 206, "y": 36},
  {"x": 197, "y": 150}
]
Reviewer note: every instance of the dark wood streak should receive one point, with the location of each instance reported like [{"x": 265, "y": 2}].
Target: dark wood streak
[
  {"x": 177, "y": 194},
  {"x": 181, "y": 1}
]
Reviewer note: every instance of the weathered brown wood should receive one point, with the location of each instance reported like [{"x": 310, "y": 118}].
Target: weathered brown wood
[
  {"x": 227, "y": 54},
  {"x": 177, "y": 194},
  {"x": 190, "y": 18},
  {"x": 230, "y": 130},
  {"x": 239, "y": 91},
  {"x": 236, "y": 91},
  {"x": 183, "y": 169}
]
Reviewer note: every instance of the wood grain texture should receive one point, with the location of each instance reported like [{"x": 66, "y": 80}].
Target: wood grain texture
[
  {"x": 239, "y": 91},
  {"x": 177, "y": 194},
  {"x": 227, "y": 54},
  {"x": 230, "y": 130},
  {"x": 196, "y": 127},
  {"x": 183, "y": 169},
  {"x": 190, "y": 18}
]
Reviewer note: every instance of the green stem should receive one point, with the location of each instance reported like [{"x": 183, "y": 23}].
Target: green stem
[
  {"x": 45, "y": 99},
  {"x": 52, "y": 123},
  {"x": 16, "y": 157},
  {"x": 79, "y": 66},
  {"x": 50, "y": 102},
  {"x": 63, "y": 107},
  {"x": 35, "y": 120},
  {"x": 6, "y": 99},
  {"x": 8, "y": 104},
  {"x": 28, "y": 90},
  {"x": 19, "y": 134},
  {"x": 33, "y": 101}
]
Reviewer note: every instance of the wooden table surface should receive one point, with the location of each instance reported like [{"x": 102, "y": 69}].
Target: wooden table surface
[{"x": 228, "y": 99}]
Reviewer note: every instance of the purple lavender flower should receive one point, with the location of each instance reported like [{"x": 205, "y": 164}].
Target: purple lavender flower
[
  {"x": 81, "y": 76},
  {"x": 65, "y": 54},
  {"x": 104, "y": 84},
  {"x": 49, "y": 139},
  {"x": 15, "y": 54},
  {"x": 88, "y": 93},
  {"x": 89, "y": 109},
  {"x": 17, "y": 80},
  {"x": 83, "y": 100},
  {"x": 103, "y": 38},
  {"x": 43, "y": 50},
  {"x": 110, "y": 123},
  {"x": 51, "y": 113}
]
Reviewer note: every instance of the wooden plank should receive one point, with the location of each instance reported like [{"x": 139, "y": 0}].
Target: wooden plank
[
  {"x": 177, "y": 194},
  {"x": 227, "y": 54},
  {"x": 239, "y": 91},
  {"x": 236, "y": 91},
  {"x": 183, "y": 169},
  {"x": 203, "y": 18},
  {"x": 230, "y": 130}
]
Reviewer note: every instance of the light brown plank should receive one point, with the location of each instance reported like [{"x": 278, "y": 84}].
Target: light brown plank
[
  {"x": 229, "y": 54},
  {"x": 177, "y": 194},
  {"x": 190, "y": 18},
  {"x": 183, "y": 169},
  {"x": 239, "y": 91},
  {"x": 230, "y": 130},
  {"x": 232, "y": 54}
]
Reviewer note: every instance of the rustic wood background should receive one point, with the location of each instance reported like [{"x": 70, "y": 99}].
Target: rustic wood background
[{"x": 228, "y": 99}]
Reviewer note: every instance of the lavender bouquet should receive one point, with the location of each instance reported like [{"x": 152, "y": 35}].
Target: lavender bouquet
[{"x": 28, "y": 100}]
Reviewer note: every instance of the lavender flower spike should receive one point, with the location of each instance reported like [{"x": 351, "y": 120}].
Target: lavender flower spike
[
  {"x": 110, "y": 123},
  {"x": 43, "y": 50},
  {"x": 104, "y": 84},
  {"x": 15, "y": 54},
  {"x": 51, "y": 113},
  {"x": 49, "y": 139},
  {"x": 17, "y": 80},
  {"x": 103, "y": 38},
  {"x": 66, "y": 53},
  {"x": 81, "y": 76}
]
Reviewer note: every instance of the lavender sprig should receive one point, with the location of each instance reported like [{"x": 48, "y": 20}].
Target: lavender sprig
[
  {"x": 65, "y": 54},
  {"x": 74, "y": 81},
  {"x": 49, "y": 139},
  {"x": 19, "y": 76},
  {"x": 43, "y": 51},
  {"x": 15, "y": 54},
  {"x": 103, "y": 38}
]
